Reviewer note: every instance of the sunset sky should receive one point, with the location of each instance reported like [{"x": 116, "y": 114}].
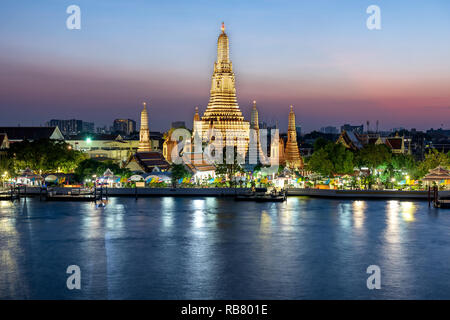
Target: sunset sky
[{"x": 317, "y": 55}]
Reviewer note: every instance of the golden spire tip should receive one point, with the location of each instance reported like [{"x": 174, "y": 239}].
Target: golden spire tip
[{"x": 223, "y": 27}]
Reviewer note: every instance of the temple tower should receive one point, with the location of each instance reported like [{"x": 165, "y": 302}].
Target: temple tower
[
  {"x": 254, "y": 122},
  {"x": 223, "y": 113},
  {"x": 255, "y": 151},
  {"x": 144, "y": 134},
  {"x": 292, "y": 155}
]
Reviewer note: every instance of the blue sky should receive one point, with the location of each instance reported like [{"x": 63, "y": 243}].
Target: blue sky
[{"x": 317, "y": 55}]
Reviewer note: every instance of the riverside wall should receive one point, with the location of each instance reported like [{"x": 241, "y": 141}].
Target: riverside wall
[{"x": 230, "y": 192}]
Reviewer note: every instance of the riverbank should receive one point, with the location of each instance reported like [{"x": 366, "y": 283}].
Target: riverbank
[
  {"x": 231, "y": 192},
  {"x": 363, "y": 194}
]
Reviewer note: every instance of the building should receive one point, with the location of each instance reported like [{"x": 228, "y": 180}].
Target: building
[
  {"x": 72, "y": 126},
  {"x": 222, "y": 113},
  {"x": 124, "y": 126},
  {"x": 144, "y": 134},
  {"x": 355, "y": 141},
  {"x": 350, "y": 140},
  {"x": 104, "y": 146},
  {"x": 256, "y": 153},
  {"x": 103, "y": 130},
  {"x": 18, "y": 134},
  {"x": 350, "y": 128},
  {"x": 329, "y": 129},
  {"x": 298, "y": 129},
  {"x": 88, "y": 127},
  {"x": 4, "y": 142},
  {"x": 292, "y": 154},
  {"x": 178, "y": 124},
  {"x": 151, "y": 161}
]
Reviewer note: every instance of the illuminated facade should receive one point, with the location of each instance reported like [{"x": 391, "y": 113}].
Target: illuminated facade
[
  {"x": 223, "y": 114},
  {"x": 292, "y": 154},
  {"x": 144, "y": 134}
]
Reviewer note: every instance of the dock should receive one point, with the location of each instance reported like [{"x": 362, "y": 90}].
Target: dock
[
  {"x": 74, "y": 194},
  {"x": 12, "y": 193}
]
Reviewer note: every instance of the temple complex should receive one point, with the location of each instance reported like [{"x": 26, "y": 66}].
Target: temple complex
[{"x": 222, "y": 113}]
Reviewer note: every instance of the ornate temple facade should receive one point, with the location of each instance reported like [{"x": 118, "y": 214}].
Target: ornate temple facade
[
  {"x": 256, "y": 154},
  {"x": 292, "y": 154},
  {"x": 144, "y": 134},
  {"x": 222, "y": 113}
]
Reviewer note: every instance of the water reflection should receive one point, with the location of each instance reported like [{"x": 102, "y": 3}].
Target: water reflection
[
  {"x": 359, "y": 208},
  {"x": 167, "y": 212},
  {"x": 408, "y": 209},
  {"x": 169, "y": 248},
  {"x": 198, "y": 220},
  {"x": 265, "y": 225}
]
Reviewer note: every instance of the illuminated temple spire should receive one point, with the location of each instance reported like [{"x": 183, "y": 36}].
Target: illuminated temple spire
[
  {"x": 144, "y": 135},
  {"x": 292, "y": 155},
  {"x": 222, "y": 112},
  {"x": 254, "y": 122},
  {"x": 255, "y": 154}
]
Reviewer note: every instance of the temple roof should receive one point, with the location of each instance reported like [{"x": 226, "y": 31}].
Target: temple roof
[
  {"x": 439, "y": 173},
  {"x": 32, "y": 133},
  {"x": 149, "y": 160}
]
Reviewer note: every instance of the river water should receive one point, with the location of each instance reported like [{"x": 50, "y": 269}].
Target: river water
[{"x": 216, "y": 248}]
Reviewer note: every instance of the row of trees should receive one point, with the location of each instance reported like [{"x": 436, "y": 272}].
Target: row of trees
[
  {"x": 88, "y": 168},
  {"x": 331, "y": 158},
  {"x": 42, "y": 155}
]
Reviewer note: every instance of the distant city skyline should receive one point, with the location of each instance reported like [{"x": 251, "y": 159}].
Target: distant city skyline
[{"x": 318, "y": 56}]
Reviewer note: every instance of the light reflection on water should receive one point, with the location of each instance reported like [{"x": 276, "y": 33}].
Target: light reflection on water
[{"x": 206, "y": 248}]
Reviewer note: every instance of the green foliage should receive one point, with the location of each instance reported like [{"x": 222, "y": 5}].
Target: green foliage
[
  {"x": 331, "y": 159},
  {"x": 320, "y": 143},
  {"x": 229, "y": 170},
  {"x": 6, "y": 165},
  {"x": 90, "y": 167},
  {"x": 373, "y": 156},
  {"x": 178, "y": 171},
  {"x": 45, "y": 155},
  {"x": 432, "y": 159}
]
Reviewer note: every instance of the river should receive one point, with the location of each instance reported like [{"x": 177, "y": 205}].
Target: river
[{"x": 216, "y": 248}]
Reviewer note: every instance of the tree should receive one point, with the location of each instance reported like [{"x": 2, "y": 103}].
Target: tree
[
  {"x": 319, "y": 162},
  {"x": 373, "y": 155},
  {"x": 6, "y": 166},
  {"x": 331, "y": 159},
  {"x": 432, "y": 159},
  {"x": 320, "y": 143},
  {"x": 178, "y": 171},
  {"x": 45, "y": 155},
  {"x": 227, "y": 168},
  {"x": 90, "y": 167}
]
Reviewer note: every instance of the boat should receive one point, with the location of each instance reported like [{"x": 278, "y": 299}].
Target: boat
[
  {"x": 262, "y": 196},
  {"x": 50, "y": 194}
]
